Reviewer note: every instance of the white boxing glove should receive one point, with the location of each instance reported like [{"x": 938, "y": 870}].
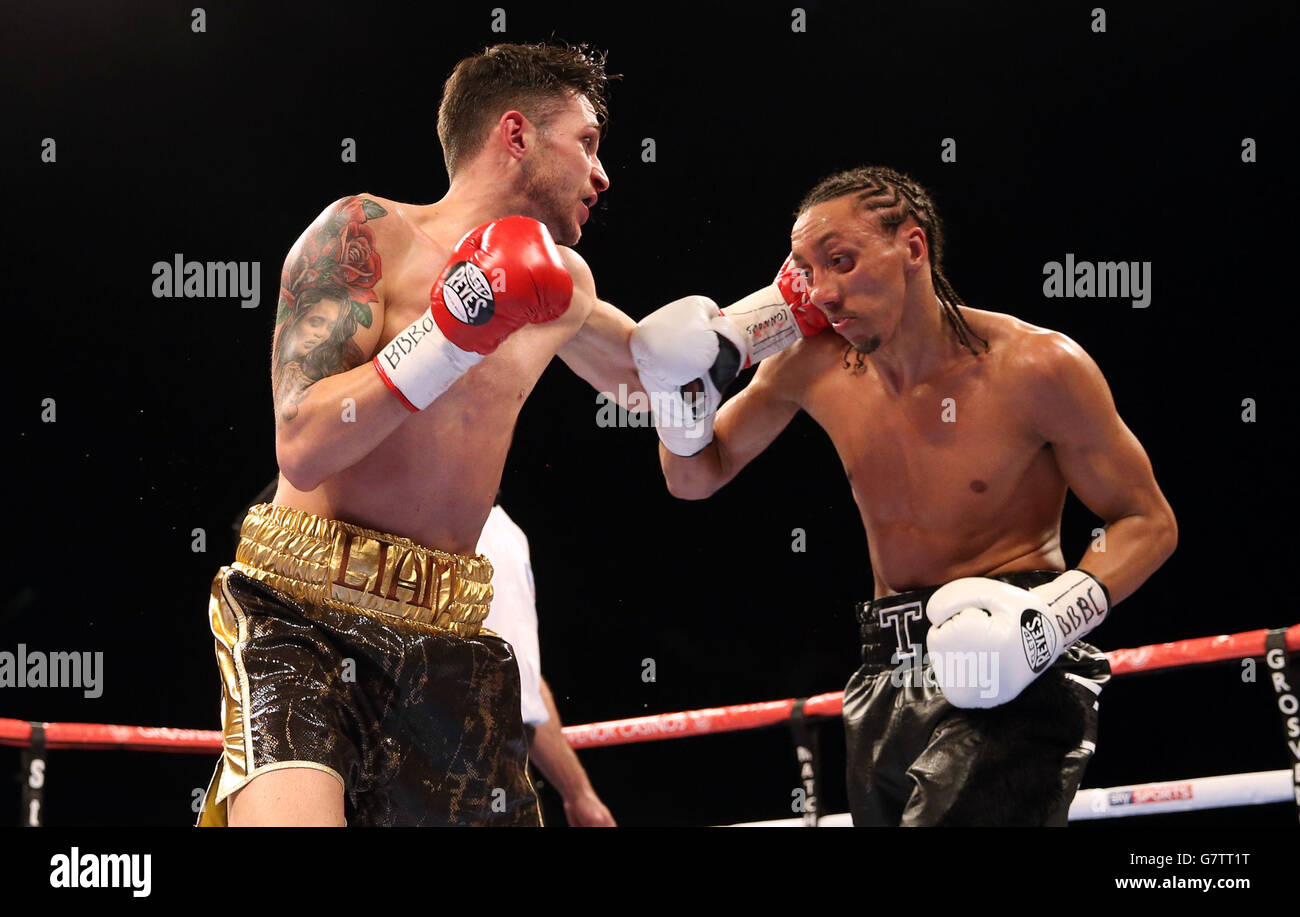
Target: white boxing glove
[
  {"x": 686, "y": 353},
  {"x": 988, "y": 639}
]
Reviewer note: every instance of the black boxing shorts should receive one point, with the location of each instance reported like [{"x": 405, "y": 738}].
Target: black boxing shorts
[
  {"x": 362, "y": 655},
  {"x": 915, "y": 760}
]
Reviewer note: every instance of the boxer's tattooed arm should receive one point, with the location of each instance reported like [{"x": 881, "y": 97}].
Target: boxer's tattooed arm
[{"x": 327, "y": 295}]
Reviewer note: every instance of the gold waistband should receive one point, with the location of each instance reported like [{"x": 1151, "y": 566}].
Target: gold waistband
[{"x": 344, "y": 566}]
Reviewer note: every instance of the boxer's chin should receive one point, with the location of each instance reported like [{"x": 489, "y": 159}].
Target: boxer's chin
[
  {"x": 552, "y": 209},
  {"x": 564, "y": 230},
  {"x": 866, "y": 345}
]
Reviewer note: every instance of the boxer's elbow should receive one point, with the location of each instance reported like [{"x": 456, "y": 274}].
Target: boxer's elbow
[
  {"x": 692, "y": 478},
  {"x": 298, "y": 465},
  {"x": 687, "y": 488},
  {"x": 1158, "y": 534},
  {"x": 1168, "y": 534},
  {"x": 301, "y": 480},
  {"x": 1163, "y": 527}
]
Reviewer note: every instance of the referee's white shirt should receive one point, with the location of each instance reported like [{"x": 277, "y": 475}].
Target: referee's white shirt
[{"x": 514, "y": 605}]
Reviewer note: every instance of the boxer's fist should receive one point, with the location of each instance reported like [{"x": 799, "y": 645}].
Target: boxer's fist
[
  {"x": 988, "y": 639},
  {"x": 503, "y": 275},
  {"x": 794, "y": 289},
  {"x": 683, "y": 341},
  {"x": 686, "y": 353}
]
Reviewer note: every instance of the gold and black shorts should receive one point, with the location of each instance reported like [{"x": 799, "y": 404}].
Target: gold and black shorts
[{"x": 361, "y": 654}]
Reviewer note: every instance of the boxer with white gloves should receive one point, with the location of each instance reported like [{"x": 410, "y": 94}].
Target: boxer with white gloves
[{"x": 961, "y": 431}]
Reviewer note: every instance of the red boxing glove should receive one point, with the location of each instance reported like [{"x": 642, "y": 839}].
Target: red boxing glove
[
  {"x": 776, "y": 317},
  {"x": 501, "y": 276},
  {"x": 794, "y": 288}
]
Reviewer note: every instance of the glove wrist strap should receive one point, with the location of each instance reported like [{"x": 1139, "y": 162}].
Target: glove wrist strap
[
  {"x": 766, "y": 323},
  {"x": 1077, "y": 603},
  {"x": 419, "y": 364}
]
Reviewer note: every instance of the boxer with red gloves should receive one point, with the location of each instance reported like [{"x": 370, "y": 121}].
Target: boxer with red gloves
[
  {"x": 358, "y": 684},
  {"x": 961, "y": 431}
]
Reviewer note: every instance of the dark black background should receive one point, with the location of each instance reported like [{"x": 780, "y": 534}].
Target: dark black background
[{"x": 224, "y": 145}]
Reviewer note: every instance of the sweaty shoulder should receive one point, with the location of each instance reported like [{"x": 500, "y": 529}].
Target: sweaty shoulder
[
  {"x": 1035, "y": 354},
  {"x": 1049, "y": 370},
  {"x": 362, "y": 209},
  {"x": 345, "y": 246},
  {"x": 584, "y": 285}
]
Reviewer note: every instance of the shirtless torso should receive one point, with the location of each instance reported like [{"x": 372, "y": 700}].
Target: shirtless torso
[
  {"x": 960, "y": 432},
  {"x": 962, "y": 473},
  {"x": 433, "y": 477},
  {"x": 952, "y": 478}
]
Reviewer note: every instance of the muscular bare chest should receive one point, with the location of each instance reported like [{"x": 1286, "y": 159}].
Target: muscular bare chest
[
  {"x": 487, "y": 399},
  {"x": 434, "y": 477},
  {"x": 952, "y": 459}
]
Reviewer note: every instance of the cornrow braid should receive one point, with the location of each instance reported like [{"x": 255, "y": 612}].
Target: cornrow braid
[{"x": 896, "y": 197}]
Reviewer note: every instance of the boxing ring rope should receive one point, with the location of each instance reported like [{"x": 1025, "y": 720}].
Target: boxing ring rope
[
  {"x": 1145, "y": 799},
  {"x": 1182, "y": 653}
]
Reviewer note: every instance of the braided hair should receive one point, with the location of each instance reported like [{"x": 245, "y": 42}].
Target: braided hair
[{"x": 897, "y": 197}]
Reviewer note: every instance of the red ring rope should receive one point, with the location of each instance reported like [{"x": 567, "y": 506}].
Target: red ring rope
[{"x": 1196, "y": 651}]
